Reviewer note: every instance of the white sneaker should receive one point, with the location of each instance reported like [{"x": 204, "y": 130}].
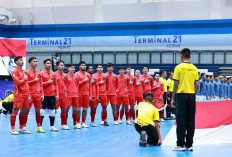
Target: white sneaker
[
  {"x": 62, "y": 127},
  {"x": 84, "y": 125},
  {"x": 128, "y": 122},
  {"x": 94, "y": 125},
  {"x": 189, "y": 148},
  {"x": 78, "y": 125},
  {"x": 52, "y": 128},
  {"x": 14, "y": 132},
  {"x": 102, "y": 123},
  {"x": 66, "y": 127},
  {"x": 115, "y": 122},
  {"x": 178, "y": 148},
  {"x": 162, "y": 120},
  {"x": 120, "y": 122},
  {"x": 133, "y": 121}
]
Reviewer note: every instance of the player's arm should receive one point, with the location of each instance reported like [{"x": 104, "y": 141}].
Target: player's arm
[
  {"x": 152, "y": 82},
  {"x": 18, "y": 81},
  {"x": 157, "y": 127},
  {"x": 90, "y": 87},
  {"x": 176, "y": 83},
  {"x": 46, "y": 83}
]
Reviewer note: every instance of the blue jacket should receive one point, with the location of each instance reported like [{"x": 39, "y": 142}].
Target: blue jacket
[
  {"x": 202, "y": 86},
  {"x": 230, "y": 89},
  {"x": 208, "y": 89},
  {"x": 212, "y": 88},
  {"x": 221, "y": 91},
  {"x": 225, "y": 88},
  {"x": 216, "y": 88}
]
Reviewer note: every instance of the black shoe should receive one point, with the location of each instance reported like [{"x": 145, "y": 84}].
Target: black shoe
[
  {"x": 143, "y": 139},
  {"x": 106, "y": 124}
]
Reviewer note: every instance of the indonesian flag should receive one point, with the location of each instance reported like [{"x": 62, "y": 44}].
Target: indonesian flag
[
  {"x": 213, "y": 124},
  {"x": 9, "y": 49}
]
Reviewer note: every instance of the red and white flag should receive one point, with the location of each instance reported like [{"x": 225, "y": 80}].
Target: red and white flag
[
  {"x": 213, "y": 124},
  {"x": 9, "y": 49}
]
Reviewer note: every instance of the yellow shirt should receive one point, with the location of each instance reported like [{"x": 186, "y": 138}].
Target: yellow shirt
[
  {"x": 186, "y": 74},
  {"x": 164, "y": 81},
  {"x": 147, "y": 113},
  {"x": 8, "y": 98},
  {"x": 170, "y": 84}
]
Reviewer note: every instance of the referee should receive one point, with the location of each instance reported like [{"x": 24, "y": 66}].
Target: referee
[{"x": 184, "y": 99}]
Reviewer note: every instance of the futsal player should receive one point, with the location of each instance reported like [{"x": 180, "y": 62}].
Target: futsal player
[
  {"x": 184, "y": 98},
  {"x": 111, "y": 85},
  {"x": 139, "y": 87},
  {"x": 158, "y": 92},
  {"x": 95, "y": 96},
  {"x": 162, "y": 79},
  {"x": 51, "y": 93},
  {"x": 170, "y": 84},
  {"x": 131, "y": 92},
  {"x": 216, "y": 88},
  {"x": 72, "y": 82},
  {"x": 147, "y": 123},
  {"x": 62, "y": 102},
  {"x": 22, "y": 97},
  {"x": 148, "y": 81},
  {"x": 85, "y": 91},
  {"x": 123, "y": 83},
  {"x": 101, "y": 81},
  {"x": 36, "y": 91}
]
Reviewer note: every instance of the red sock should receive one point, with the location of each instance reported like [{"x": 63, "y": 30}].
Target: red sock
[
  {"x": 25, "y": 119},
  {"x": 83, "y": 119},
  {"x": 93, "y": 113},
  {"x": 66, "y": 117},
  {"x": 104, "y": 115},
  {"x": 62, "y": 116},
  {"x": 117, "y": 114},
  {"x": 78, "y": 116},
  {"x": 121, "y": 113},
  {"x": 127, "y": 114},
  {"x": 38, "y": 119},
  {"x": 12, "y": 120},
  {"x": 132, "y": 114},
  {"x": 161, "y": 114},
  {"x": 74, "y": 115},
  {"x": 21, "y": 120}
]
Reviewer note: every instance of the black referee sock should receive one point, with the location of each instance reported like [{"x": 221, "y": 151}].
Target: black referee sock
[
  {"x": 42, "y": 117},
  {"x": 52, "y": 120}
]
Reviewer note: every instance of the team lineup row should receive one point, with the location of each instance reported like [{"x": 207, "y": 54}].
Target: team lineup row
[{"x": 50, "y": 90}]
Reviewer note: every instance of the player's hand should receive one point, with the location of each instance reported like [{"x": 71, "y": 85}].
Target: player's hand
[
  {"x": 94, "y": 81},
  {"x": 57, "y": 97},
  {"x": 159, "y": 86},
  {"x": 173, "y": 103},
  {"x": 147, "y": 81},
  {"x": 65, "y": 78},
  {"x": 29, "y": 99},
  {"x": 76, "y": 79},
  {"x": 25, "y": 77},
  {"x": 103, "y": 81},
  {"x": 159, "y": 142},
  {"x": 51, "y": 81},
  {"x": 90, "y": 98},
  {"x": 86, "y": 79},
  {"x": 98, "y": 100},
  {"x": 160, "y": 98},
  {"x": 37, "y": 79},
  {"x": 139, "y": 83},
  {"x": 42, "y": 98}
]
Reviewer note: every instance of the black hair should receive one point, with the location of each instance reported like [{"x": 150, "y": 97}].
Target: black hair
[
  {"x": 121, "y": 68},
  {"x": 58, "y": 62},
  {"x": 87, "y": 68},
  {"x": 148, "y": 97},
  {"x": 156, "y": 74},
  {"x": 170, "y": 73},
  {"x": 82, "y": 62},
  {"x": 31, "y": 59},
  {"x": 145, "y": 67},
  {"x": 71, "y": 65},
  {"x": 110, "y": 64},
  {"x": 216, "y": 75},
  {"x": 128, "y": 67},
  {"x": 185, "y": 53},
  {"x": 99, "y": 65},
  {"x": 46, "y": 60},
  {"x": 161, "y": 72},
  {"x": 202, "y": 74},
  {"x": 17, "y": 58}
]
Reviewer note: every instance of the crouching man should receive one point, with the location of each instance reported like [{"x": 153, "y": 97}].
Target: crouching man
[{"x": 147, "y": 123}]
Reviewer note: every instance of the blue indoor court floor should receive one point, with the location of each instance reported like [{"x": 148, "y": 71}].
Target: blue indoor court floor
[{"x": 112, "y": 141}]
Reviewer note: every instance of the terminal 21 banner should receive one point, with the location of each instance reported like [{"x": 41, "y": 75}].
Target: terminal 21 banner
[{"x": 131, "y": 43}]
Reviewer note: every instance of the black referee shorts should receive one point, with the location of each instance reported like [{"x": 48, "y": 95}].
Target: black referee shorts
[{"x": 49, "y": 102}]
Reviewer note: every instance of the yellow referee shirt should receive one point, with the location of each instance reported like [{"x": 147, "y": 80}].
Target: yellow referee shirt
[
  {"x": 186, "y": 74},
  {"x": 147, "y": 113},
  {"x": 170, "y": 84},
  {"x": 8, "y": 98},
  {"x": 164, "y": 81}
]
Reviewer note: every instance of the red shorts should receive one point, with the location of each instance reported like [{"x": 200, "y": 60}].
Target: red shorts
[
  {"x": 139, "y": 99},
  {"x": 62, "y": 103},
  {"x": 103, "y": 100},
  {"x": 93, "y": 102},
  {"x": 37, "y": 102},
  {"x": 21, "y": 102},
  {"x": 132, "y": 99},
  {"x": 84, "y": 101},
  {"x": 123, "y": 100},
  {"x": 111, "y": 99},
  {"x": 73, "y": 101}
]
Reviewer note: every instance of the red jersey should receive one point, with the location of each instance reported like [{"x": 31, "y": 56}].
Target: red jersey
[
  {"x": 95, "y": 88},
  {"x": 132, "y": 84},
  {"x": 49, "y": 89},
  {"x": 72, "y": 85},
  {"x": 61, "y": 84},
  {"x": 84, "y": 87},
  {"x": 158, "y": 92},
  {"x": 139, "y": 88},
  {"x": 21, "y": 87},
  {"x": 123, "y": 83},
  {"x": 111, "y": 83},
  {"x": 101, "y": 87},
  {"x": 147, "y": 86},
  {"x": 36, "y": 88}
]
